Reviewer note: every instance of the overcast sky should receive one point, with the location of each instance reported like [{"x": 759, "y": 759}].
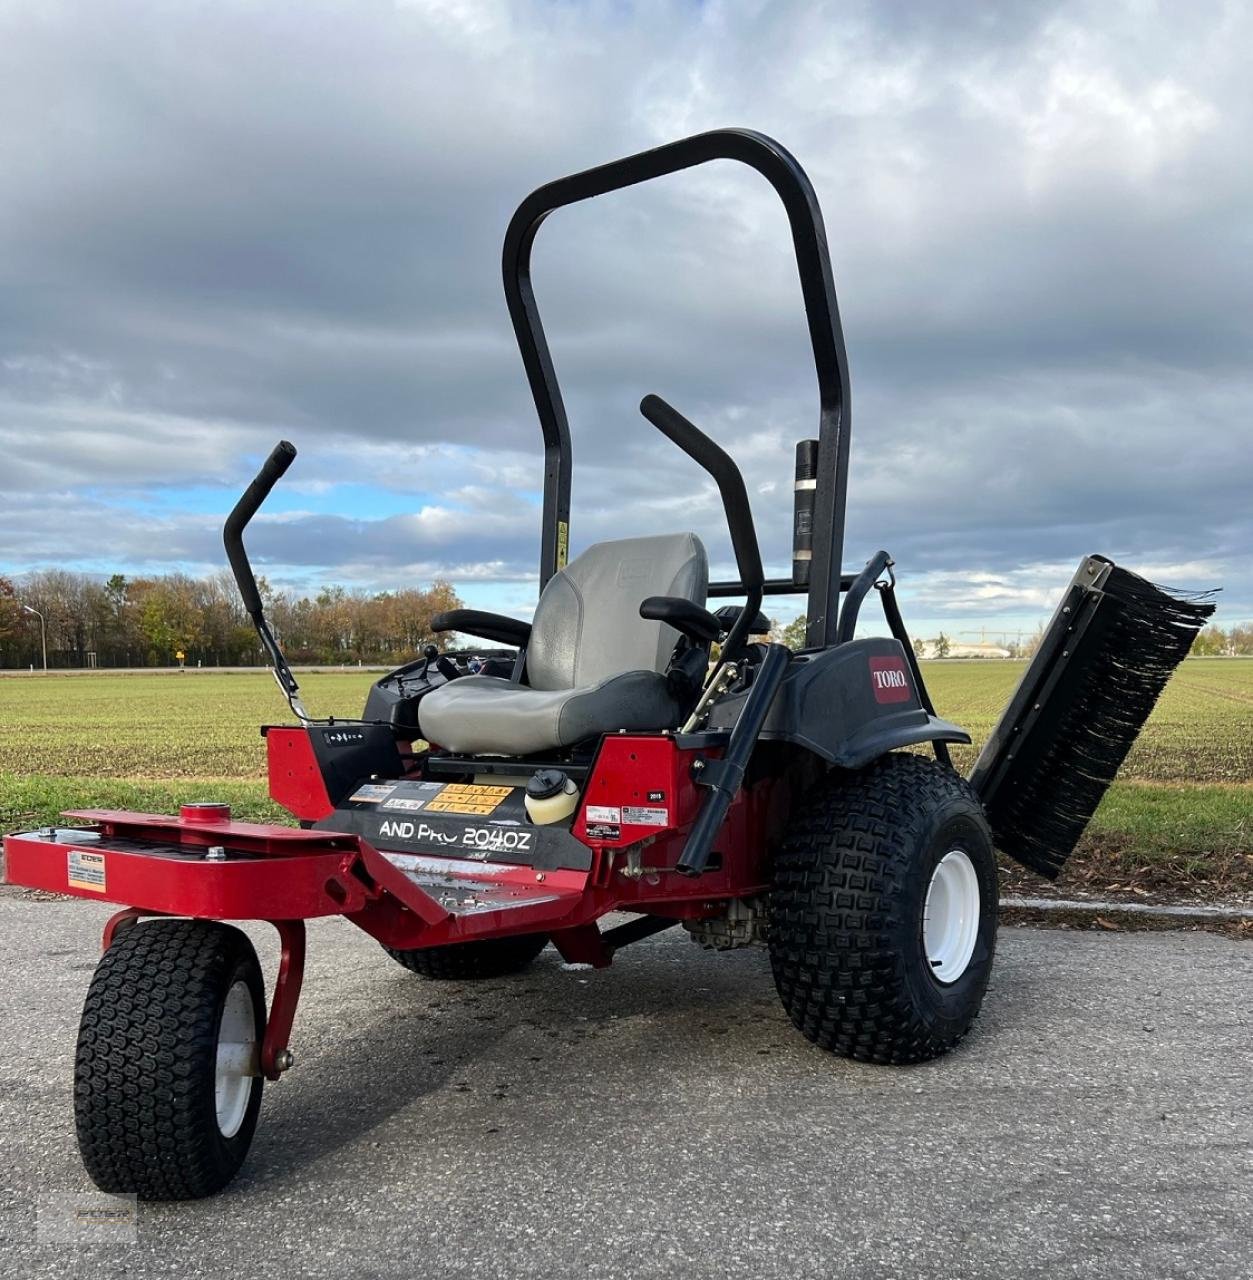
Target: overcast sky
[{"x": 224, "y": 224}]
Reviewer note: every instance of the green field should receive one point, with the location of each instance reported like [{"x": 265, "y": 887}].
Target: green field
[{"x": 1183, "y": 803}]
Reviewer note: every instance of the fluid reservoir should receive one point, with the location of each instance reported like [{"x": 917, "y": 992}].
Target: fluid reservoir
[{"x": 550, "y": 796}]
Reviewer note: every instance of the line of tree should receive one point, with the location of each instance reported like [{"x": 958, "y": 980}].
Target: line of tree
[
  {"x": 148, "y": 622},
  {"x": 1214, "y": 642}
]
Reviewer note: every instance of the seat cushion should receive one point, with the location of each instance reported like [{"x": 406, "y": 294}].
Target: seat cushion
[
  {"x": 587, "y": 623},
  {"x": 485, "y": 715}
]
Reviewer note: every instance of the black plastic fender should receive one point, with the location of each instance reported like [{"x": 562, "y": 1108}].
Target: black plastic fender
[{"x": 849, "y": 704}]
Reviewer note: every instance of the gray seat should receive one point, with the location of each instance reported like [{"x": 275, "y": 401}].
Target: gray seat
[{"x": 593, "y": 664}]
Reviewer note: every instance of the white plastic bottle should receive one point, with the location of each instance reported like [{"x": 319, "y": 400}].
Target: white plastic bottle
[{"x": 551, "y": 796}]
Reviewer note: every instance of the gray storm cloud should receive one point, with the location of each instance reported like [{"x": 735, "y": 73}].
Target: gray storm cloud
[{"x": 221, "y": 225}]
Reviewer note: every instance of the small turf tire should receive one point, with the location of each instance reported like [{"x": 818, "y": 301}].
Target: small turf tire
[
  {"x": 883, "y": 913},
  {"x": 487, "y": 958},
  {"x": 165, "y": 1095}
]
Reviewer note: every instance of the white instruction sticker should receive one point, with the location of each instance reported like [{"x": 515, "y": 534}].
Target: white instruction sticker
[
  {"x": 646, "y": 817},
  {"x": 403, "y": 803},
  {"x": 85, "y": 870},
  {"x": 373, "y": 792},
  {"x": 603, "y": 813}
]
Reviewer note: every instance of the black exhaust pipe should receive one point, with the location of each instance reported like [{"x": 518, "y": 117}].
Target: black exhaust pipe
[{"x": 805, "y": 487}]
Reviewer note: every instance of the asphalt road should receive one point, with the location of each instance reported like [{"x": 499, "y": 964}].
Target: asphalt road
[{"x": 662, "y": 1118}]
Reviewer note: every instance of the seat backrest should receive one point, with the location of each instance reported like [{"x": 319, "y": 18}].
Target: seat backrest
[{"x": 587, "y": 623}]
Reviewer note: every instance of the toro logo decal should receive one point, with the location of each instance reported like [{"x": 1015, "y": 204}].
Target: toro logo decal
[{"x": 889, "y": 681}]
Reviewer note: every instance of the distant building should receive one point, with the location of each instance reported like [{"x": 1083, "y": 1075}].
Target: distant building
[{"x": 967, "y": 649}]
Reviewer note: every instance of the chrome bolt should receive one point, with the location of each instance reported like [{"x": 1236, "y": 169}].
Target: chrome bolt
[
  {"x": 539, "y": 876},
  {"x": 284, "y": 1060}
]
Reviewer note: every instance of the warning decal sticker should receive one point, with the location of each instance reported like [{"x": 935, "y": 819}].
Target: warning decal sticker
[
  {"x": 465, "y": 797},
  {"x": 642, "y": 817},
  {"x": 373, "y": 792},
  {"x": 85, "y": 870},
  {"x": 603, "y": 813},
  {"x": 403, "y": 803}
]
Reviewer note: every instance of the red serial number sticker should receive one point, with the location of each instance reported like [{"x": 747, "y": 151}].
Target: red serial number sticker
[{"x": 889, "y": 681}]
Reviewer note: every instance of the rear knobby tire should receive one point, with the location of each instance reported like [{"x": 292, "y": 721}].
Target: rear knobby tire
[
  {"x": 487, "y": 958},
  {"x": 155, "y": 1115},
  {"x": 848, "y": 942}
]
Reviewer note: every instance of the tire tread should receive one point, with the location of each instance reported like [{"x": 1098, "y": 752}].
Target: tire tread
[
  {"x": 486, "y": 958},
  {"x": 147, "y": 1035},
  {"x": 837, "y": 925}
]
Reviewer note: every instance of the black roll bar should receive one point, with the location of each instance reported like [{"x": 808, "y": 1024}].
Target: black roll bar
[{"x": 813, "y": 262}]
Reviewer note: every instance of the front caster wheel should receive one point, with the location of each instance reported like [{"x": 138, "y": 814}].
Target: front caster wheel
[
  {"x": 883, "y": 915},
  {"x": 167, "y": 1080}
]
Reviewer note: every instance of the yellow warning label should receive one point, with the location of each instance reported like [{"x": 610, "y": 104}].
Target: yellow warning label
[
  {"x": 563, "y": 544},
  {"x": 465, "y": 797}
]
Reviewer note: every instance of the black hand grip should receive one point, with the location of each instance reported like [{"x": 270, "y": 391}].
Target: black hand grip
[
  {"x": 254, "y": 495},
  {"x": 490, "y": 626},
  {"x": 701, "y": 449},
  {"x": 684, "y": 616}
]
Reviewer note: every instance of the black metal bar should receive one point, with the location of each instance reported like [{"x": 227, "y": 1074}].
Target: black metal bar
[
  {"x": 857, "y": 593},
  {"x": 896, "y": 625},
  {"x": 1071, "y": 619},
  {"x": 813, "y": 262},
  {"x": 456, "y": 766},
  {"x": 771, "y": 587},
  {"x": 724, "y": 777},
  {"x": 726, "y": 475},
  {"x": 272, "y": 470},
  {"x": 622, "y": 935}
]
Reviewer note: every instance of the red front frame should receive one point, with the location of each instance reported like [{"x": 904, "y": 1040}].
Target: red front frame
[
  {"x": 281, "y": 873},
  {"x": 224, "y": 870}
]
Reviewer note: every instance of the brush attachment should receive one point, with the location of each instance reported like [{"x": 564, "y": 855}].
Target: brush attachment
[{"x": 1104, "y": 660}]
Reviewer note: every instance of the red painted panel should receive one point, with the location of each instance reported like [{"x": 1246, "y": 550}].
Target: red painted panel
[
  {"x": 295, "y": 779},
  {"x": 639, "y": 787}
]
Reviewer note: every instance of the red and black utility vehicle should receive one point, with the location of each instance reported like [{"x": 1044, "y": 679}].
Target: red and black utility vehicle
[{"x": 627, "y": 751}]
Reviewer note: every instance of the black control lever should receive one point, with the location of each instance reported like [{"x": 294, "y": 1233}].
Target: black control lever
[
  {"x": 726, "y": 475},
  {"x": 249, "y": 504}
]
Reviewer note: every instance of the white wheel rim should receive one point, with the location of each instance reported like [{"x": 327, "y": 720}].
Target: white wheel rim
[
  {"x": 236, "y": 1058},
  {"x": 950, "y": 917}
]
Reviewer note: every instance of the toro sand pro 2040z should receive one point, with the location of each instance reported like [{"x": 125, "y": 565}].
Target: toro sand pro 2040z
[{"x": 491, "y": 801}]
